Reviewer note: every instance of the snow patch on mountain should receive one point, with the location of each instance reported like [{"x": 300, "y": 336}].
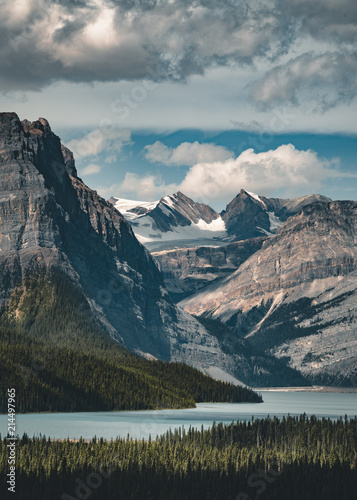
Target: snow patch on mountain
[
  {"x": 257, "y": 198},
  {"x": 194, "y": 234},
  {"x": 275, "y": 222},
  {"x": 125, "y": 206}
]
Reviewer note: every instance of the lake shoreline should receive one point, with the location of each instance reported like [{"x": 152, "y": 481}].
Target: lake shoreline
[{"x": 313, "y": 388}]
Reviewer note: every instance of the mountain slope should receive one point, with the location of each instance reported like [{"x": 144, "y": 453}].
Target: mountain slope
[
  {"x": 296, "y": 296},
  {"x": 187, "y": 270},
  {"x": 175, "y": 221},
  {"x": 49, "y": 218},
  {"x": 249, "y": 215}
]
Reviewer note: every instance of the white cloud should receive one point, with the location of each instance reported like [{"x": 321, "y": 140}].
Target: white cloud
[
  {"x": 158, "y": 153},
  {"x": 110, "y": 41},
  {"x": 322, "y": 19},
  {"x": 104, "y": 40},
  {"x": 105, "y": 138},
  {"x": 114, "y": 42},
  {"x": 91, "y": 169},
  {"x": 147, "y": 187},
  {"x": 186, "y": 154},
  {"x": 89, "y": 145},
  {"x": 285, "y": 169}
]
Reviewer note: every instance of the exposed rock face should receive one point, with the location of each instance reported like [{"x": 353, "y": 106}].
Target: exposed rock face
[
  {"x": 69, "y": 161},
  {"x": 32, "y": 167},
  {"x": 48, "y": 217},
  {"x": 249, "y": 215},
  {"x": 297, "y": 295},
  {"x": 245, "y": 217},
  {"x": 176, "y": 221},
  {"x": 179, "y": 210},
  {"x": 188, "y": 270}
]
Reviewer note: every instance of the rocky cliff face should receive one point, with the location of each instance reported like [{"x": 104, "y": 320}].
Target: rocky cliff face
[
  {"x": 176, "y": 221},
  {"x": 49, "y": 218},
  {"x": 179, "y": 210},
  {"x": 31, "y": 169},
  {"x": 188, "y": 270},
  {"x": 296, "y": 296}
]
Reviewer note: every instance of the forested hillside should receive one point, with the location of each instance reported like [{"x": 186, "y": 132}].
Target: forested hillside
[{"x": 59, "y": 359}]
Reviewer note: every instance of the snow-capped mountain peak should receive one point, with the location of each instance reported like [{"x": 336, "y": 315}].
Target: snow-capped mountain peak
[
  {"x": 173, "y": 221},
  {"x": 257, "y": 198}
]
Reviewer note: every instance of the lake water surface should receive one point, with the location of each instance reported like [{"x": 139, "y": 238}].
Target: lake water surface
[{"x": 140, "y": 424}]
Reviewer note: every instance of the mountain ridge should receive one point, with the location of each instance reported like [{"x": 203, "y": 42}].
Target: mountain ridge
[{"x": 176, "y": 221}]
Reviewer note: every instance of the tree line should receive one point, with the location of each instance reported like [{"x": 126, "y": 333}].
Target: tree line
[{"x": 272, "y": 459}]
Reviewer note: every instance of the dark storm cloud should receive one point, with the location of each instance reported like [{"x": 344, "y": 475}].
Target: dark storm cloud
[
  {"x": 111, "y": 40},
  {"x": 135, "y": 4},
  {"x": 329, "y": 20},
  {"x": 330, "y": 77}
]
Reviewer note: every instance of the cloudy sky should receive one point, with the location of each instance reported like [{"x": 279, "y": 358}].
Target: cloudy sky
[{"x": 207, "y": 97}]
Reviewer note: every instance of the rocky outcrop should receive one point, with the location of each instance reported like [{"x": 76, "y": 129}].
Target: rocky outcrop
[
  {"x": 188, "y": 270},
  {"x": 245, "y": 217},
  {"x": 249, "y": 215},
  {"x": 296, "y": 296},
  {"x": 176, "y": 221}
]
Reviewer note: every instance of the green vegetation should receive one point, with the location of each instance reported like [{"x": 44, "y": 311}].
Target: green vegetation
[
  {"x": 59, "y": 359},
  {"x": 291, "y": 459}
]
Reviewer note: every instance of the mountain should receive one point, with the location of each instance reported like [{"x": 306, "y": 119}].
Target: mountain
[
  {"x": 187, "y": 270},
  {"x": 296, "y": 296},
  {"x": 50, "y": 219},
  {"x": 52, "y": 224},
  {"x": 249, "y": 215},
  {"x": 175, "y": 221}
]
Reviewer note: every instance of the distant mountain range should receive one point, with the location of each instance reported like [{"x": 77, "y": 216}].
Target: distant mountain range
[
  {"x": 176, "y": 221},
  {"x": 281, "y": 274},
  {"x": 249, "y": 215}
]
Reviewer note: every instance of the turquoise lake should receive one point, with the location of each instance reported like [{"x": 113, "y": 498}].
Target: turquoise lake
[{"x": 141, "y": 424}]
